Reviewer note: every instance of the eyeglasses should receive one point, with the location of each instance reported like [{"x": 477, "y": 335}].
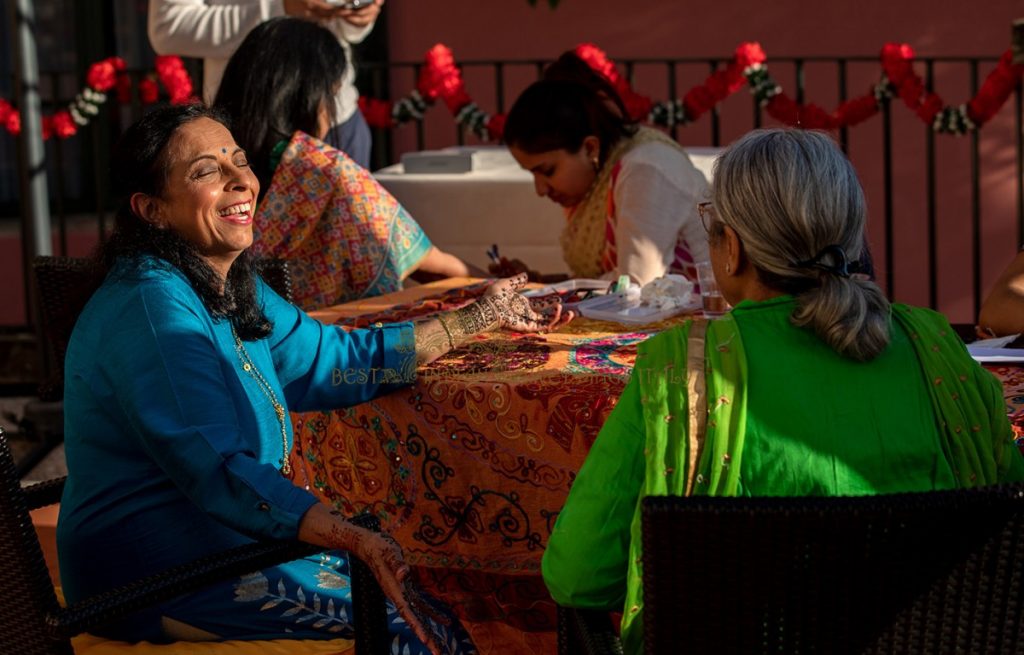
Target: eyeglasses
[{"x": 705, "y": 210}]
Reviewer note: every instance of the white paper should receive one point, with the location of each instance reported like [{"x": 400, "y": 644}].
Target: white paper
[
  {"x": 996, "y": 342},
  {"x": 995, "y": 355}
]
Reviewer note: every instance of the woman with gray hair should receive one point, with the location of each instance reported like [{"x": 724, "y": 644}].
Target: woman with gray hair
[{"x": 813, "y": 384}]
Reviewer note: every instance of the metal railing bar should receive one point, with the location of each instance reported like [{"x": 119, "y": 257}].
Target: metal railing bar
[
  {"x": 975, "y": 200},
  {"x": 670, "y": 71},
  {"x": 890, "y": 284},
  {"x": 716, "y": 118},
  {"x": 798, "y": 65},
  {"x": 499, "y": 87},
  {"x": 930, "y": 206},
  {"x": 844, "y": 140}
]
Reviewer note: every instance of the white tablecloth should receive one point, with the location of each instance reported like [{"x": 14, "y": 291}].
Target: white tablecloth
[{"x": 464, "y": 213}]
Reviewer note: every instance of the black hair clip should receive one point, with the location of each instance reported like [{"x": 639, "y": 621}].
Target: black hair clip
[{"x": 840, "y": 268}]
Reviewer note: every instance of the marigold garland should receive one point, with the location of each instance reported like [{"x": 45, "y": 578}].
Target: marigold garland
[
  {"x": 440, "y": 78},
  {"x": 101, "y": 77}
]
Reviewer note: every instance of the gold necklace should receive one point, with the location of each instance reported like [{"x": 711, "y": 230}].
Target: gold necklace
[{"x": 249, "y": 367}]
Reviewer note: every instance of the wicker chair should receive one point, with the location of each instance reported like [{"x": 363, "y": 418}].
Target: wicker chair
[
  {"x": 33, "y": 623},
  {"x": 937, "y": 572}
]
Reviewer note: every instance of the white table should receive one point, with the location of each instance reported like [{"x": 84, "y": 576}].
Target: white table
[{"x": 464, "y": 213}]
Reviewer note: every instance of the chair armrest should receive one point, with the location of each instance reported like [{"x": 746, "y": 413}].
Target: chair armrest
[
  {"x": 586, "y": 632},
  {"x": 45, "y": 493},
  {"x": 367, "y": 597},
  {"x": 121, "y": 601}
]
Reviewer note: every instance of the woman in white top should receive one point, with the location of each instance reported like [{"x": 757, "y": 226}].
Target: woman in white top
[
  {"x": 213, "y": 30},
  {"x": 630, "y": 192}
]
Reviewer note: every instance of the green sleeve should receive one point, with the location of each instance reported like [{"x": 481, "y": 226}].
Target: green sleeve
[{"x": 585, "y": 561}]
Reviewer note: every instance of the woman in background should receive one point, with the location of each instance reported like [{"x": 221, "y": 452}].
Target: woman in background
[
  {"x": 812, "y": 385},
  {"x": 629, "y": 192},
  {"x": 344, "y": 235}
]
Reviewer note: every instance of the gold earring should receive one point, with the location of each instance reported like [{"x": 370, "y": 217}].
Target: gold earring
[
  {"x": 728, "y": 269},
  {"x": 593, "y": 161}
]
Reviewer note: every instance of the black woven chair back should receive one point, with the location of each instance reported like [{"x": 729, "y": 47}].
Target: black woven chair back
[
  {"x": 939, "y": 572},
  {"x": 28, "y": 597},
  {"x": 65, "y": 285}
]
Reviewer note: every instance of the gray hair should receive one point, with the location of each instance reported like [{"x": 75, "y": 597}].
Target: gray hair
[{"x": 789, "y": 195}]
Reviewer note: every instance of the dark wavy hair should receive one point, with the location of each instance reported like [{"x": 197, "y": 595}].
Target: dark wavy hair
[
  {"x": 570, "y": 68},
  {"x": 275, "y": 84},
  {"x": 140, "y": 165},
  {"x": 560, "y": 114}
]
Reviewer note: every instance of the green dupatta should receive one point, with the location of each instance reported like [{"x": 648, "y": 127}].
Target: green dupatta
[{"x": 975, "y": 434}]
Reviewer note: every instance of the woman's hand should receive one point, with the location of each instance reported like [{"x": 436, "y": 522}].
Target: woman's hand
[
  {"x": 363, "y": 16},
  {"x": 500, "y": 306},
  {"x": 517, "y": 312},
  {"x": 329, "y": 528}
]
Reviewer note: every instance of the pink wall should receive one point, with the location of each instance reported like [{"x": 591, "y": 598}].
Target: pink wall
[{"x": 511, "y": 29}]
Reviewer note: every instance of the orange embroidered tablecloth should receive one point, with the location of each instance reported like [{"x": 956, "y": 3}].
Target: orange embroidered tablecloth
[{"x": 469, "y": 467}]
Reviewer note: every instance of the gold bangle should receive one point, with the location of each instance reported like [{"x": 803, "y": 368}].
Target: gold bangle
[{"x": 451, "y": 341}]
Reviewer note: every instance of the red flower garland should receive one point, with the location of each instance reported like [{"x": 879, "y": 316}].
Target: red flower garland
[
  {"x": 174, "y": 77},
  {"x": 101, "y": 77},
  {"x": 440, "y": 78}
]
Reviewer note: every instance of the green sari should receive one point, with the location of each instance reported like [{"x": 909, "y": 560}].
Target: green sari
[{"x": 786, "y": 416}]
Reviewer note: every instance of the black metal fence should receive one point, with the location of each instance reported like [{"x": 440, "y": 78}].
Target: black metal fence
[{"x": 952, "y": 255}]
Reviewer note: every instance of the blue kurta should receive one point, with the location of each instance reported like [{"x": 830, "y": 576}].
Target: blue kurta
[{"x": 173, "y": 449}]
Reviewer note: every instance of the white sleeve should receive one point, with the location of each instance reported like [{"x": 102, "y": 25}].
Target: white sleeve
[
  {"x": 654, "y": 202},
  {"x": 194, "y": 28}
]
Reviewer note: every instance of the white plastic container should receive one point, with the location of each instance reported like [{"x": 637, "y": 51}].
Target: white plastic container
[{"x": 621, "y": 309}]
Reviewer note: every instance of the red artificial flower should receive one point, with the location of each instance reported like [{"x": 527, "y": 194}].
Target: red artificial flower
[
  {"x": 455, "y": 96},
  {"x": 5, "y": 110},
  {"x": 149, "y": 92},
  {"x": 376, "y": 112},
  {"x": 813, "y": 117},
  {"x": 637, "y": 106},
  {"x": 782, "y": 108},
  {"x": 47, "y": 127},
  {"x": 601, "y": 64},
  {"x": 733, "y": 76},
  {"x": 13, "y": 122},
  {"x": 717, "y": 85},
  {"x": 496, "y": 126},
  {"x": 994, "y": 91},
  {"x": 749, "y": 54},
  {"x": 931, "y": 104},
  {"x": 175, "y": 78},
  {"x": 102, "y": 76},
  {"x": 597, "y": 59},
  {"x": 911, "y": 90},
  {"x": 855, "y": 111},
  {"x": 63, "y": 125},
  {"x": 438, "y": 74},
  {"x": 697, "y": 101},
  {"x": 118, "y": 64},
  {"x": 441, "y": 78},
  {"x": 897, "y": 61}
]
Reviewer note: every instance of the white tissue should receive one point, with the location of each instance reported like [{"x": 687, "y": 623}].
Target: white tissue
[{"x": 667, "y": 292}]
